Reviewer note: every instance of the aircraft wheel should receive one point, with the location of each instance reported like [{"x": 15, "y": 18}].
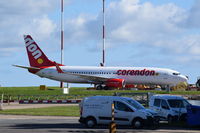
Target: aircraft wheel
[
  {"x": 99, "y": 87},
  {"x": 106, "y": 88}
]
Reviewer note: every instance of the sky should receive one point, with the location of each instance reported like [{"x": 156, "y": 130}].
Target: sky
[{"x": 139, "y": 33}]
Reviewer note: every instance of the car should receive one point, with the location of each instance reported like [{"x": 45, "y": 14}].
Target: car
[
  {"x": 97, "y": 110},
  {"x": 169, "y": 107}
]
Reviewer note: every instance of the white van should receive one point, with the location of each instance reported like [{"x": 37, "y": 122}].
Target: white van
[
  {"x": 98, "y": 110},
  {"x": 169, "y": 107}
]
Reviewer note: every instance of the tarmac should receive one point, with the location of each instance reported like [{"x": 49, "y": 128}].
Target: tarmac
[
  {"x": 16, "y": 105},
  {"x": 55, "y": 124}
]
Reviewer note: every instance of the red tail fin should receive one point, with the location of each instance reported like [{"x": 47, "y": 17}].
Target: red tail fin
[{"x": 36, "y": 57}]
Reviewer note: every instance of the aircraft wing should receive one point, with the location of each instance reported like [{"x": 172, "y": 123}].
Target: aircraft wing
[{"x": 92, "y": 79}]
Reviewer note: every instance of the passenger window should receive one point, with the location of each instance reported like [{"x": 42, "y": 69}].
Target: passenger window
[
  {"x": 122, "y": 107},
  {"x": 157, "y": 102},
  {"x": 164, "y": 105}
]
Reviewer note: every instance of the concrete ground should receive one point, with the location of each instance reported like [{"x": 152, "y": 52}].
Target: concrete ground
[
  {"x": 46, "y": 124},
  {"x": 54, "y": 124},
  {"x": 16, "y": 105}
]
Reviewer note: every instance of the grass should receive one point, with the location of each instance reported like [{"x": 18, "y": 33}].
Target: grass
[
  {"x": 81, "y": 92},
  {"x": 48, "y": 111},
  {"x": 30, "y": 91},
  {"x": 69, "y": 110},
  {"x": 64, "y": 110}
]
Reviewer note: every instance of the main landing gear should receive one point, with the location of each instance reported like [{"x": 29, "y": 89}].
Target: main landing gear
[{"x": 100, "y": 87}]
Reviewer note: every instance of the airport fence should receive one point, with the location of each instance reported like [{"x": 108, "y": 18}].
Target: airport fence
[
  {"x": 42, "y": 97},
  {"x": 143, "y": 98}
]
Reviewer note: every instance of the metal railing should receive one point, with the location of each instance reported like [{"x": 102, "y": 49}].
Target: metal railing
[{"x": 142, "y": 98}]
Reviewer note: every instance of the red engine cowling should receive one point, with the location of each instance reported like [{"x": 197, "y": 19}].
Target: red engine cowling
[
  {"x": 118, "y": 83},
  {"x": 129, "y": 86}
]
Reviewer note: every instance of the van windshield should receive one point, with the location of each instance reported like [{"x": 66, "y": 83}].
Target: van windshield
[
  {"x": 135, "y": 104},
  {"x": 178, "y": 103}
]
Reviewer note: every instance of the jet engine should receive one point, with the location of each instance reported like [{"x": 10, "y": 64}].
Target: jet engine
[{"x": 117, "y": 83}]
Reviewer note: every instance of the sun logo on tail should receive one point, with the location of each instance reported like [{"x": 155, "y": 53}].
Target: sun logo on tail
[{"x": 40, "y": 61}]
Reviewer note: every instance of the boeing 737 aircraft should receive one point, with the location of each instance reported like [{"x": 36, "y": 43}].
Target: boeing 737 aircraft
[{"x": 101, "y": 77}]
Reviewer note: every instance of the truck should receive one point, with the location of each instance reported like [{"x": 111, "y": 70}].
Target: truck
[{"x": 97, "y": 110}]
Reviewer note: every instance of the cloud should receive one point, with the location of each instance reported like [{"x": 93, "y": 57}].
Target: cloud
[
  {"x": 193, "y": 16},
  {"x": 167, "y": 27},
  {"x": 24, "y": 7},
  {"x": 19, "y": 17},
  {"x": 76, "y": 29},
  {"x": 41, "y": 27},
  {"x": 131, "y": 22},
  {"x": 144, "y": 22}
]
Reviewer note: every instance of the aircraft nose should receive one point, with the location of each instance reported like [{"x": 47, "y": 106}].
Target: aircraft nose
[{"x": 184, "y": 78}]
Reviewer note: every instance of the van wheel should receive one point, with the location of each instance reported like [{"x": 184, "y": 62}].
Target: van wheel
[
  {"x": 90, "y": 122},
  {"x": 170, "y": 119},
  {"x": 183, "y": 117},
  {"x": 138, "y": 123}
]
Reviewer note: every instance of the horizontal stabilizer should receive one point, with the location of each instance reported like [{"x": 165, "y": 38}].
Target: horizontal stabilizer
[{"x": 33, "y": 68}]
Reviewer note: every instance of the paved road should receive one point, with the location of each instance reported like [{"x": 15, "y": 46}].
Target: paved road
[
  {"x": 47, "y": 124},
  {"x": 16, "y": 105}
]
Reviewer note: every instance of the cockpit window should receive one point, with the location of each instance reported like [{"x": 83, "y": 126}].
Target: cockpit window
[{"x": 176, "y": 73}]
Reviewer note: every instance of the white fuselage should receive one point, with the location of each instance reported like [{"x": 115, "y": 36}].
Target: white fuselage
[{"x": 131, "y": 75}]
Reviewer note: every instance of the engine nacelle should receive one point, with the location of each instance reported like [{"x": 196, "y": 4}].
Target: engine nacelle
[
  {"x": 129, "y": 86},
  {"x": 118, "y": 83}
]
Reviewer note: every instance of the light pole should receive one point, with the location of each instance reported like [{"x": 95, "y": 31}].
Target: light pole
[
  {"x": 62, "y": 38},
  {"x": 103, "y": 51}
]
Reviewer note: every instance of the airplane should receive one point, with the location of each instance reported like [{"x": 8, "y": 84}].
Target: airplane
[{"x": 101, "y": 77}]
